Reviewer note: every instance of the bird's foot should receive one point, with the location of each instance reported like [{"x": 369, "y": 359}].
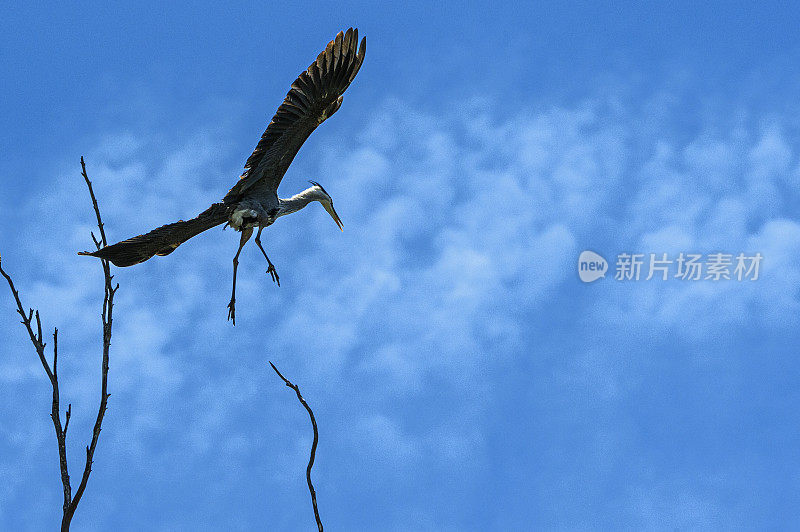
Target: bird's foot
[
  {"x": 274, "y": 273},
  {"x": 232, "y": 311}
]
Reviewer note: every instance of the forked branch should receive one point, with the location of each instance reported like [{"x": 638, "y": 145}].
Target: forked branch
[{"x": 70, "y": 501}]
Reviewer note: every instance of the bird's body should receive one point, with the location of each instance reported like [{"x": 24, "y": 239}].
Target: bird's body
[{"x": 253, "y": 202}]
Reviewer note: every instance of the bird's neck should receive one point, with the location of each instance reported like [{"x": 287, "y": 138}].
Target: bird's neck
[{"x": 299, "y": 201}]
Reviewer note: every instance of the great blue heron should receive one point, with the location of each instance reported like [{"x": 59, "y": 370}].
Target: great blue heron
[{"x": 253, "y": 201}]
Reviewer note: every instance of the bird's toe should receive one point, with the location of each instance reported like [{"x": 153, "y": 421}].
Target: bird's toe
[
  {"x": 274, "y": 274},
  {"x": 232, "y": 311}
]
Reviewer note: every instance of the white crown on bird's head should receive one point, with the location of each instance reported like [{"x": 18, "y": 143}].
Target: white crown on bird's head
[
  {"x": 320, "y": 187},
  {"x": 328, "y": 204}
]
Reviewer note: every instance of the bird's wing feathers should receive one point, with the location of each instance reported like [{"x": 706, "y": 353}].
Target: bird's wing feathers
[
  {"x": 162, "y": 240},
  {"x": 314, "y": 96}
]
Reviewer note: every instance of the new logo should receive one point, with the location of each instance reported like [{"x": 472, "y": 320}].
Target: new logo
[{"x": 591, "y": 266}]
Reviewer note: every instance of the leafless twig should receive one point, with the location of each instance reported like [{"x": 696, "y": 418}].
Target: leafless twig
[
  {"x": 313, "y": 444},
  {"x": 70, "y": 502}
]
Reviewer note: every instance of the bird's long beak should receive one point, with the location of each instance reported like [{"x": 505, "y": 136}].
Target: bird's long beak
[{"x": 332, "y": 212}]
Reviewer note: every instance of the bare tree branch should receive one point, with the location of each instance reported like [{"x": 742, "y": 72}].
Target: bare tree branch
[
  {"x": 313, "y": 444},
  {"x": 52, "y": 375},
  {"x": 61, "y": 434},
  {"x": 108, "y": 309},
  {"x": 70, "y": 502}
]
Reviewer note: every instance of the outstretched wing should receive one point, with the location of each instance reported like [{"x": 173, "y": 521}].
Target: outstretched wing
[
  {"x": 314, "y": 96},
  {"x": 161, "y": 241}
]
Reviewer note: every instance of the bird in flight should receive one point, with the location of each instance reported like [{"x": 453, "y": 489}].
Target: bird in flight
[{"x": 253, "y": 201}]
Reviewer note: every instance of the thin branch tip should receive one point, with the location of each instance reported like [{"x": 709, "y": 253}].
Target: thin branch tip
[{"x": 312, "y": 455}]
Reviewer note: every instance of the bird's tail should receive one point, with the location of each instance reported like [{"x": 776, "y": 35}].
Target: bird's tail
[{"x": 161, "y": 241}]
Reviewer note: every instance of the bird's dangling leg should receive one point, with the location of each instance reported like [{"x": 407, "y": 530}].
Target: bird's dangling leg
[
  {"x": 246, "y": 233},
  {"x": 271, "y": 270}
]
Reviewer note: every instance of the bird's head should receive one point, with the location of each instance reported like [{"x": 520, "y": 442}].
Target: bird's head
[{"x": 327, "y": 202}]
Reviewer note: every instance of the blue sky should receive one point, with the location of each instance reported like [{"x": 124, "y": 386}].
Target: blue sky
[{"x": 463, "y": 377}]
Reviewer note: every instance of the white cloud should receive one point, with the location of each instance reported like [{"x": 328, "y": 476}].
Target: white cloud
[{"x": 460, "y": 231}]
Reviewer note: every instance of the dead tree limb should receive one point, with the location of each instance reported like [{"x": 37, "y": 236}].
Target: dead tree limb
[
  {"x": 70, "y": 501},
  {"x": 313, "y": 444}
]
